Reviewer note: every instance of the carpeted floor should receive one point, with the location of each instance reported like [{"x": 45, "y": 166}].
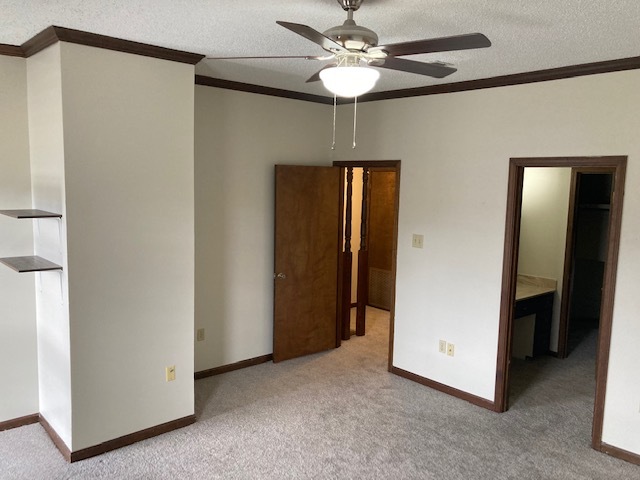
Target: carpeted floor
[{"x": 340, "y": 414}]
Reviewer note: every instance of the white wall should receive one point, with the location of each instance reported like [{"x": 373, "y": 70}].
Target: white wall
[
  {"x": 239, "y": 138},
  {"x": 128, "y": 139},
  {"x": 543, "y": 230},
  {"x": 455, "y": 150},
  {"x": 18, "y": 353},
  {"x": 44, "y": 80}
]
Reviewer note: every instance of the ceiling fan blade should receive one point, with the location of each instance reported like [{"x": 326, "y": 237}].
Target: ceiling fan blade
[
  {"x": 313, "y": 35},
  {"x": 306, "y": 57},
  {"x": 436, "y": 70},
  {"x": 316, "y": 76},
  {"x": 442, "y": 44}
]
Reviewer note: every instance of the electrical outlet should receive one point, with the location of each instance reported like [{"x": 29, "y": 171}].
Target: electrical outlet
[
  {"x": 170, "y": 373},
  {"x": 418, "y": 241},
  {"x": 442, "y": 346},
  {"x": 450, "y": 349},
  {"x": 200, "y": 335}
]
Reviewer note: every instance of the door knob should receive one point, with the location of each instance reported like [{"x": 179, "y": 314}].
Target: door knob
[{"x": 279, "y": 276}]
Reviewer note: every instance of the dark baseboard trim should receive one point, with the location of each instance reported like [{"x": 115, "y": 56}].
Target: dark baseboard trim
[
  {"x": 11, "y": 50},
  {"x": 19, "y": 422},
  {"x": 116, "y": 443},
  {"x": 131, "y": 438},
  {"x": 620, "y": 453},
  {"x": 479, "y": 401},
  {"x": 233, "y": 366},
  {"x": 55, "y": 438},
  {"x": 54, "y": 34},
  {"x": 250, "y": 88}
]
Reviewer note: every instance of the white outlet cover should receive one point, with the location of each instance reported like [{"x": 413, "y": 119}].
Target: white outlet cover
[{"x": 451, "y": 349}]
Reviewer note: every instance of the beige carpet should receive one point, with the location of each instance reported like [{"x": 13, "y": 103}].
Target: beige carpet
[{"x": 340, "y": 414}]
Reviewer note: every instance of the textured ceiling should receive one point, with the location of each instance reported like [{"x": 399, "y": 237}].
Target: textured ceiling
[{"x": 527, "y": 35}]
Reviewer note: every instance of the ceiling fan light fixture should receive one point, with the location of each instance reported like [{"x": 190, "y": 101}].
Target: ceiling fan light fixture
[{"x": 349, "y": 81}]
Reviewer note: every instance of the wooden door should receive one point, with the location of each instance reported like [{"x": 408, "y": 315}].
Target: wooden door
[
  {"x": 308, "y": 236},
  {"x": 382, "y": 211}
]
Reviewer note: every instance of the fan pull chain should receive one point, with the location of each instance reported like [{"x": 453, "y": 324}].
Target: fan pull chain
[
  {"x": 355, "y": 116},
  {"x": 333, "y": 145}
]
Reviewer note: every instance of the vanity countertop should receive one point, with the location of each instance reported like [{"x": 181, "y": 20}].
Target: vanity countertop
[{"x": 529, "y": 286}]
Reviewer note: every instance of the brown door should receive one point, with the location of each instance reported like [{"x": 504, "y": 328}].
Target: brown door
[
  {"x": 308, "y": 233},
  {"x": 382, "y": 210}
]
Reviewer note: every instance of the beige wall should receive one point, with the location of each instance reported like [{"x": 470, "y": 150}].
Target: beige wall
[
  {"x": 543, "y": 230},
  {"x": 19, "y": 388},
  {"x": 128, "y": 139},
  {"x": 239, "y": 138},
  {"x": 111, "y": 148},
  {"x": 455, "y": 150}
]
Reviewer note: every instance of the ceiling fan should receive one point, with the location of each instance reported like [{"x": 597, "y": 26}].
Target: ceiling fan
[{"x": 354, "y": 49}]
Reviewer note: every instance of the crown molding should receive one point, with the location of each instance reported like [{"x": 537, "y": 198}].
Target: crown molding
[
  {"x": 39, "y": 42},
  {"x": 54, "y": 34},
  {"x": 11, "y": 50},
  {"x": 259, "y": 89},
  {"x": 571, "y": 71},
  {"x": 595, "y": 68}
]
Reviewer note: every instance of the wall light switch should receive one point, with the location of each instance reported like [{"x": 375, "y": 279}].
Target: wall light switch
[
  {"x": 200, "y": 335},
  {"x": 418, "y": 241},
  {"x": 450, "y": 349},
  {"x": 170, "y": 373}
]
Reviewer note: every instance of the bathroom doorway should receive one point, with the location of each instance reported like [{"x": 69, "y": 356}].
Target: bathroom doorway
[{"x": 617, "y": 167}]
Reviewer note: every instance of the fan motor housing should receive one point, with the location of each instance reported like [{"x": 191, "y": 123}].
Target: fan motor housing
[
  {"x": 352, "y": 36},
  {"x": 352, "y": 5}
]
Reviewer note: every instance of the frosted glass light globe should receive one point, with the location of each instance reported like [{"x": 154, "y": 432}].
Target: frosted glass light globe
[{"x": 349, "y": 81}]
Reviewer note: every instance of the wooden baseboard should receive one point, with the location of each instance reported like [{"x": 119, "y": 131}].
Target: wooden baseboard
[
  {"x": 55, "y": 438},
  {"x": 479, "y": 401},
  {"x": 131, "y": 438},
  {"x": 116, "y": 443},
  {"x": 620, "y": 453},
  {"x": 19, "y": 422},
  {"x": 233, "y": 366}
]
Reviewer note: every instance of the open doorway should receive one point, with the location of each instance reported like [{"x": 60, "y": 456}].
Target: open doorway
[
  {"x": 617, "y": 167},
  {"x": 369, "y": 256},
  {"x": 586, "y": 248},
  {"x": 313, "y": 256},
  {"x": 541, "y": 251}
]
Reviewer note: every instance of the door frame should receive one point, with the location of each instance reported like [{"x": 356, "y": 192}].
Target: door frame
[
  {"x": 567, "y": 276},
  {"x": 395, "y": 166},
  {"x": 509, "y": 274}
]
